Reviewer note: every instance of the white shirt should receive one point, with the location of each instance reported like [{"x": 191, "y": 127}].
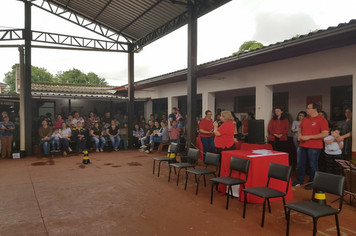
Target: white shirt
[
  {"x": 332, "y": 148},
  {"x": 65, "y": 132}
]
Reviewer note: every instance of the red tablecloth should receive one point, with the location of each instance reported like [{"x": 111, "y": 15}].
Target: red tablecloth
[{"x": 258, "y": 171}]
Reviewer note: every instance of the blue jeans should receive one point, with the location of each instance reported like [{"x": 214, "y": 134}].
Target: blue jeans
[
  {"x": 145, "y": 140},
  {"x": 174, "y": 140},
  {"x": 97, "y": 140},
  {"x": 208, "y": 145},
  {"x": 125, "y": 143},
  {"x": 46, "y": 146},
  {"x": 304, "y": 154},
  {"x": 155, "y": 139},
  {"x": 54, "y": 142},
  {"x": 115, "y": 141}
]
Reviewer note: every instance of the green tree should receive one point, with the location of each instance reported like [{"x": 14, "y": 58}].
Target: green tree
[
  {"x": 248, "y": 46},
  {"x": 38, "y": 74},
  {"x": 75, "y": 76}
]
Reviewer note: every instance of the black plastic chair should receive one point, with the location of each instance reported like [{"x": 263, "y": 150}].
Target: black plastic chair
[
  {"x": 325, "y": 182},
  {"x": 192, "y": 158},
  {"x": 174, "y": 149},
  {"x": 211, "y": 159},
  {"x": 275, "y": 171},
  {"x": 236, "y": 164}
]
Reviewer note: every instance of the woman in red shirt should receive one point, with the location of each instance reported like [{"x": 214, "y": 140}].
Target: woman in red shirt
[
  {"x": 224, "y": 135},
  {"x": 278, "y": 128},
  {"x": 206, "y": 130}
]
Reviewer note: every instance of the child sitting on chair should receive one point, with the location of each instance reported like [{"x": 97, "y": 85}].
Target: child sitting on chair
[{"x": 55, "y": 137}]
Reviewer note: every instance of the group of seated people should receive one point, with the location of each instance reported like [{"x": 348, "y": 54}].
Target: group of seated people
[
  {"x": 86, "y": 130},
  {"x": 83, "y": 132}
]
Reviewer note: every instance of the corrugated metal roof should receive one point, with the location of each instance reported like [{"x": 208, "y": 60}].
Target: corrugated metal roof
[
  {"x": 342, "y": 35},
  {"x": 141, "y": 21},
  {"x": 72, "y": 89}
]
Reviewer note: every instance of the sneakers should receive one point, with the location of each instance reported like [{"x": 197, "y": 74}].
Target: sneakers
[
  {"x": 308, "y": 186},
  {"x": 143, "y": 146},
  {"x": 147, "y": 151},
  {"x": 295, "y": 184}
]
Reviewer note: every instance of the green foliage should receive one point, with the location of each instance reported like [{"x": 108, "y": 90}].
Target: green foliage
[
  {"x": 248, "y": 46},
  {"x": 40, "y": 74},
  {"x": 75, "y": 76}
]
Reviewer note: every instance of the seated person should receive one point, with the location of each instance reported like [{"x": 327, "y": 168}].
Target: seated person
[
  {"x": 79, "y": 135},
  {"x": 45, "y": 133},
  {"x": 333, "y": 150},
  {"x": 96, "y": 135},
  {"x": 125, "y": 137},
  {"x": 137, "y": 135},
  {"x": 55, "y": 137},
  {"x": 77, "y": 118},
  {"x": 160, "y": 136},
  {"x": 113, "y": 132},
  {"x": 66, "y": 133},
  {"x": 149, "y": 130}
]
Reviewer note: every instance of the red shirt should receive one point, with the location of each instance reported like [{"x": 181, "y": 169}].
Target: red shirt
[
  {"x": 245, "y": 124},
  {"x": 206, "y": 125},
  {"x": 313, "y": 126},
  {"x": 278, "y": 127},
  {"x": 174, "y": 132},
  {"x": 226, "y": 139}
]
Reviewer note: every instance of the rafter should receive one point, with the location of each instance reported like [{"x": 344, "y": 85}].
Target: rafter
[
  {"x": 202, "y": 8},
  {"x": 11, "y": 34},
  {"x": 92, "y": 25},
  {"x": 81, "y": 42}
]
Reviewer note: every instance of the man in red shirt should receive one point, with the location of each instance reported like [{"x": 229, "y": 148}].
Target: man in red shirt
[{"x": 313, "y": 129}]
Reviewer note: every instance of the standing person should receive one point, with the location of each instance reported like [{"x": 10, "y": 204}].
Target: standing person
[
  {"x": 6, "y": 136},
  {"x": 346, "y": 134},
  {"x": 206, "y": 130},
  {"x": 224, "y": 135},
  {"x": 69, "y": 121},
  {"x": 295, "y": 127},
  {"x": 172, "y": 116},
  {"x": 245, "y": 125},
  {"x": 113, "y": 132},
  {"x": 337, "y": 116},
  {"x": 45, "y": 133},
  {"x": 96, "y": 135},
  {"x": 66, "y": 133},
  {"x": 313, "y": 129},
  {"x": 278, "y": 128},
  {"x": 174, "y": 132},
  {"x": 178, "y": 115}
]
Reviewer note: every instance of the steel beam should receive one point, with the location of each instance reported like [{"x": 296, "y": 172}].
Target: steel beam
[
  {"x": 76, "y": 41},
  {"x": 202, "y": 7},
  {"x": 131, "y": 101},
  {"x": 26, "y": 89},
  {"x": 11, "y": 34},
  {"x": 191, "y": 75},
  {"x": 64, "y": 12}
]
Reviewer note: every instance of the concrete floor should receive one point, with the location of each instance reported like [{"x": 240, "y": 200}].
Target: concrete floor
[{"x": 118, "y": 195}]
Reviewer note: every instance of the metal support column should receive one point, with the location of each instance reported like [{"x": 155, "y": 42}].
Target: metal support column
[
  {"x": 69, "y": 106},
  {"x": 131, "y": 103},
  {"x": 192, "y": 78},
  {"x": 26, "y": 89},
  {"x": 22, "y": 99}
]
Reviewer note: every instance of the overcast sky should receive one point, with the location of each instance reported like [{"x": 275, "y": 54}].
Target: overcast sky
[{"x": 220, "y": 33}]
